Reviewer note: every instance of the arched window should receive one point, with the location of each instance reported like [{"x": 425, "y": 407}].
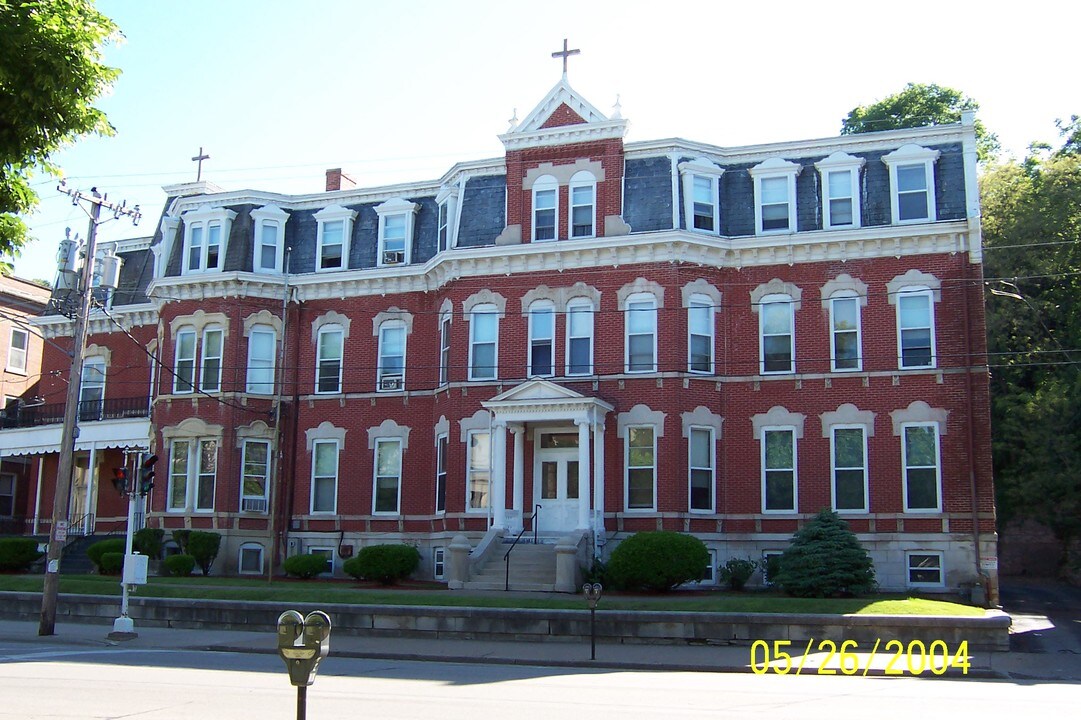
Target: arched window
[
  {"x": 328, "y": 370},
  {"x": 542, "y": 338},
  {"x": 262, "y": 342},
  {"x": 545, "y": 208},
  {"x": 483, "y": 342},
  {"x": 640, "y": 322},
  {"x": 583, "y": 201},
  {"x": 776, "y": 316},
  {"x": 391, "y": 373},
  {"x": 580, "y": 337}
]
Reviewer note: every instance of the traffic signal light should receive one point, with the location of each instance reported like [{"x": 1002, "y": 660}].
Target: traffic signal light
[
  {"x": 120, "y": 480},
  {"x": 146, "y": 475}
]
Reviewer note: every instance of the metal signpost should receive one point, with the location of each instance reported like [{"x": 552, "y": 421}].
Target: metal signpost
[
  {"x": 302, "y": 643},
  {"x": 593, "y": 595}
]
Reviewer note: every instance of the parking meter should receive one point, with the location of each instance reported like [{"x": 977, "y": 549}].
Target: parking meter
[{"x": 302, "y": 643}]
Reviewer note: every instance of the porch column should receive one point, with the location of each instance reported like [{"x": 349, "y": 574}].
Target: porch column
[
  {"x": 499, "y": 475},
  {"x": 583, "y": 474},
  {"x": 519, "y": 472},
  {"x": 90, "y": 508},
  {"x": 598, "y": 480}
]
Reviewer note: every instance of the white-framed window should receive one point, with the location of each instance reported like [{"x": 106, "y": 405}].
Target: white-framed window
[
  {"x": 701, "y": 192},
  {"x": 845, "y": 342},
  {"x": 583, "y": 199},
  {"x": 483, "y": 342},
  {"x": 210, "y": 370},
  {"x": 447, "y": 204},
  {"x": 779, "y": 479},
  {"x": 912, "y": 184},
  {"x": 206, "y": 233},
  {"x": 921, "y": 466},
  {"x": 255, "y": 485},
  {"x": 840, "y": 174},
  {"x": 92, "y": 389},
  {"x": 193, "y": 470},
  {"x": 328, "y": 554},
  {"x": 395, "y": 231},
  {"x": 250, "y": 559},
  {"x": 439, "y": 562},
  {"x": 924, "y": 568},
  {"x": 640, "y": 319},
  {"x": 916, "y": 328},
  {"x": 701, "y": 468},
  {"x": 328, "y": 370},
  {"x": 391, "y": 369},
  {"x": 545, "y": 208},
  {"x": 542, "y": 339},
  {"x": 848, "y": 454},
  {"x": 709, "y": 577},
  {"x": 262, "y": 342},
  {"x": 18, "y": 348},
  {"x": 386, "y": 495},
  {"x": 444, "y": 349},
  {"x": 640, "y": 463},
  {"x": 333, "y": 233},
  {"x": 324, "y": 496},
  {"x": 442, "y": 444},
  {"x": 700, "y": 334},
  {"x": 269, "y": 239},
  {"x": 579, "y": 337},
  {"x": 776, "y": 316},
  {"x": 775, "y": 196},
  {"x": 184, "y": 366},
  {"x": 478, "y": 475}
]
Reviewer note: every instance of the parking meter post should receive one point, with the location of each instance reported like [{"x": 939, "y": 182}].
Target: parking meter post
[
  {"x": 592, "y": 592},
  {"x": 302, "y": 643}
]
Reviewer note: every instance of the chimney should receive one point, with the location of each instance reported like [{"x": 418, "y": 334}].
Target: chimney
[{"x": 337, "y": 180}]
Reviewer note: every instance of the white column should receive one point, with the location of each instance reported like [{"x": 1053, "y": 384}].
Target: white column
[
  {"x": 519, "y": 473},
  {"x": 499, "y": 475},
  {"x": 90, "y": 508},
  {"x": 598, "y": 477},
  {"x": 583, "y": 474}
]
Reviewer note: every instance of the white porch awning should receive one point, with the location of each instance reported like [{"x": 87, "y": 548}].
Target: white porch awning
[{"x": 126, "y": 433}]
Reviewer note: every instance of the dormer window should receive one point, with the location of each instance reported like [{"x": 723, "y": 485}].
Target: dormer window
[
  {"x": 206, "y": 233},
  {"x": 701, "y": 183},
  {"x": 545, "y": 208},
  {"x": 269, "y": 239},
  {"x": 395, "y": 231},
  {"x": 840, "y": 190},
  {"x": 775, "y": 196},
  {"x": 583, "y": 198},
  {"x": 447, "y": 200},
  {"x": 335, "y": 228},
  {"x": 912, "y": 183}
]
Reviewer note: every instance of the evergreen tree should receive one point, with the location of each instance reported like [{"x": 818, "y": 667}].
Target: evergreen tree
[{"x": 826, "y": 560}]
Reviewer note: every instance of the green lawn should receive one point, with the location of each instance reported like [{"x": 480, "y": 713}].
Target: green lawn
[{"x": 318, "y": 591}]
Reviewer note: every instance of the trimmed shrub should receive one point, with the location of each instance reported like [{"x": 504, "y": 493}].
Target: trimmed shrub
[
  {"x": 825, "y": 559},
  {"x": 305, "y": 567},
  {"x": 148, "y": 541},
  {"x": 180, "y": 537},
  {"x": 18, "y": 554},
  {"x": 112, "y": 563},
  {"x": 657, "y": 561},
  {"x": 736, "y": 572},
  {"x": 386, "y": 564},
  {"x": 203, "y": 546},
  {"x": 179, "y": 565},
  {"x": 95, "y": 551}
]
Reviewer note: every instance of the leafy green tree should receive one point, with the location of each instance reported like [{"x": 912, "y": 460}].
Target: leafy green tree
[
  {"x": 1032, "y": 233},
  {"x": 51, "y": 73},
  {"x": 825, "y": 559},
  {"x": 919, "y": 105}
]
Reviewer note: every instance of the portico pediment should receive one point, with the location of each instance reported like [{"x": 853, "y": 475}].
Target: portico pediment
[
  {"x": 537, "y": 390},
  {"x": 542, "y": 400}
]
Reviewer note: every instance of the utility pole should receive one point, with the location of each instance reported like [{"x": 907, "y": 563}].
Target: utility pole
[{"x": 70, "y": 431}]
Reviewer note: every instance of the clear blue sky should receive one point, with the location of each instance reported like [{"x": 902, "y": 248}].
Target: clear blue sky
[{"x": 277, "y": 92}]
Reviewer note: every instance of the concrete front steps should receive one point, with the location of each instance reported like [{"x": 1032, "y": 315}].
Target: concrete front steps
[{"x": 532, "y": 569}]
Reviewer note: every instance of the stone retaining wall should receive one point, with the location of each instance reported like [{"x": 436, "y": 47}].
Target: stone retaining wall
[{"x": 990, "y": 632}]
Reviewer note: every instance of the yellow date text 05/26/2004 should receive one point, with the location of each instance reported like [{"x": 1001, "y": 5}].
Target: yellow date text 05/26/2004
[{"x": 889, "y": 657}]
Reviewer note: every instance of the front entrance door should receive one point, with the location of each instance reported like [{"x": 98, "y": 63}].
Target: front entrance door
[{"x": 555, "y": 481}]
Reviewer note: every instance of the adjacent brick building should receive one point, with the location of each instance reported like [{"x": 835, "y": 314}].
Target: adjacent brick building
[{"x": 588, "y": 336}]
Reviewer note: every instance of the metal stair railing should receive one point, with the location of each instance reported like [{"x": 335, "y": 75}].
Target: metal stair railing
[{"x": 506, "y": 557}]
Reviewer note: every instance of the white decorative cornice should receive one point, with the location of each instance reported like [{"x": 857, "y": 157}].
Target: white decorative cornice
[
  {"x": 777, "y": 416},
  {"x": 263, "y": 317},
  {"x": 848, "y": 414},
  {"x": 913, "y": 279},
  {"x": 844, "y": 283},
  {"x": 127, "y": 316},
  {"x": 910, "y": 153},
  {"x": 838, "y": 160},
  {"x": 640, "y": 415},
  {"x": 919, "y": 412},
  {"x": 701, "y": 286},
  {"x": 325, "y": 431},
  {"x": 776, "y": 286},
  {"x": 389, "y": 429},
  {"x": 702, "y": 416},
  {"x": 484, "y": 297},
  {"x": 393, "y": 313},
  {"x": 775, "y": 166}
]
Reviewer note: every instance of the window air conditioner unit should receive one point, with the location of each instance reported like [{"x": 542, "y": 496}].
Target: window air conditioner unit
[
  {"x": 393, "y": 257},
  {"x": 253, "y": 505},
  {"x": 391, "y": 383}
]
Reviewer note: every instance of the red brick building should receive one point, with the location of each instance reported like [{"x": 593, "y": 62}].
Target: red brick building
[{"x": 586, "y": 336}]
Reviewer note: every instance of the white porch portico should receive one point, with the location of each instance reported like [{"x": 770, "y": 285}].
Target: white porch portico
[{"x": 562, "y": 421}]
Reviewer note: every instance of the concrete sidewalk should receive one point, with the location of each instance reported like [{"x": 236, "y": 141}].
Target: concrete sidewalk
[{"x": 624, "y": 656}]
